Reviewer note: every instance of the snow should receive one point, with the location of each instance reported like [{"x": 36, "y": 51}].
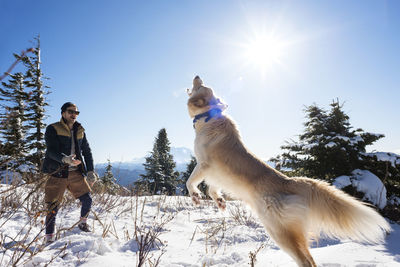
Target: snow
[
  {"x": 331, "y": 141},
  {"x": 342, "y": 181},
  {"x": 185, "y": 236},
  {"x": 394, "y": 200},
  {"x": 358, "y": 139},
  {"x": 353, "y": 140},
  {"x": 344, "y": 138},
  {"x": 310, "y": 146},
  {"x": 330, "y": 144},
  {"x": 366, "y": 182},
  {"x": 393, "y": 158}
]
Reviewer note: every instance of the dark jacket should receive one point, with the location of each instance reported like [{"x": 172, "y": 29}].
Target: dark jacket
[{"x": 58, "y": 141}]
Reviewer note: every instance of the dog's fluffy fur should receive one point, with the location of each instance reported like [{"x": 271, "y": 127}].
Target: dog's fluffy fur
[{"x": 292, "y": 210}]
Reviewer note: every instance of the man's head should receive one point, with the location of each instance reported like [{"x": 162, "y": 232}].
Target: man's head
[{"x": 69, "y": 111}]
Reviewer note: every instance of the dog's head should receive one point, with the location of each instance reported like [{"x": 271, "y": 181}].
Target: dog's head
[{"x": 202, "y": 99}]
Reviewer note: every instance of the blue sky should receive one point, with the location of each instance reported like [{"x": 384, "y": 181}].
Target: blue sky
[{"x": 126, "y": 64}]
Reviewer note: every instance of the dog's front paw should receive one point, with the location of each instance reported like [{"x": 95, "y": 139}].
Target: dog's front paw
[
  {"x": 221, "y": 203},
  {"x": 195, "y": 197}
]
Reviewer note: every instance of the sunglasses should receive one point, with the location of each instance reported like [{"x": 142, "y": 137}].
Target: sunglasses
[{"x": 73, "y": 112}]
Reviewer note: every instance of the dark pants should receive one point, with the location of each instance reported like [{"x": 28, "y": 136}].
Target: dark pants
[{"x": 86, "y": 202}]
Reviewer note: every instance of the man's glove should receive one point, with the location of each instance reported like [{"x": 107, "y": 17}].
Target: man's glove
[
  {"x": 71, "y": 160},
  {"x": 92, "y": 177}
]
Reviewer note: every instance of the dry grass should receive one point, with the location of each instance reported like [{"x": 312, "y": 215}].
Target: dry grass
[
  {"x": 24, "y": 201},
  {"x": 253, "y": 255},
  {"x": 242, "y": 216}
]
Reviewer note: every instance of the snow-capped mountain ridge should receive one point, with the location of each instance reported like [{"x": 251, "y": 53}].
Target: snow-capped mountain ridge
[
  {"x": 128, "y": 172},
  {"x": 180, "y": 154}
]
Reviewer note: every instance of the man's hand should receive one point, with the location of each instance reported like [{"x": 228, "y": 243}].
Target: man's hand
[
  {"x": 92, "y": 177},
  {"x": 71, "y": 160}
]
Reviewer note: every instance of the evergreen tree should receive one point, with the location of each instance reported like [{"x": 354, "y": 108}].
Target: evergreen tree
[
  {"x": 160, "y": 177},
  {"x": 386, "y": 166},
  {"x": 297, "y": 159},
  {"x": 36, "y": 105},
  {"x": 23, "y": 105},
  {"x": 13, "y": 129},
  {"x": 167, "y": 163},
  {"x": 185, "y": 176},
  {"x": 108, "y": 178},
  {"x": 149, "y": 182},
  {"x": 328, "y": 147}
]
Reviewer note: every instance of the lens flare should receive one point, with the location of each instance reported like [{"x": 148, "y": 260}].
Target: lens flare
[{"x": 264, "y": 52}]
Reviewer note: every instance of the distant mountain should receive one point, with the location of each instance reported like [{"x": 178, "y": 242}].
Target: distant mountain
[
  {"x": 181, "y": 154},
  {"x": 129, "y": 171}
]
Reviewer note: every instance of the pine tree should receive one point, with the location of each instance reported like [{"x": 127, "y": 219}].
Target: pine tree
[
  {"x": 160, "y": 177},
  {"x": 108, "y": 178},
  {"x": 2, "y": 118},
  {"x": 33, "y": 115},
  {"x": 328, "y": 147},
  {"x": 185, "y": 176},
  {"x": 167, "y": 163},
  {"x": 386, "y": 166},
  {"x": 297, "y": 159},
  {"x": 13, "y": 129},
  {"x": 36, "y": 105},
  {"x": 187, "y": 173},
  {"x": 148, "y": 182}
]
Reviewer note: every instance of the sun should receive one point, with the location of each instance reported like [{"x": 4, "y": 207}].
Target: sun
[{"x": 264, "y": 52}]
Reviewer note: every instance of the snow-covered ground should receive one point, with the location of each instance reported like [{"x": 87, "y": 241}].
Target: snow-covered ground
[
  {"x": 366, "y": 182},
  {"x": 182, "y": 235}
]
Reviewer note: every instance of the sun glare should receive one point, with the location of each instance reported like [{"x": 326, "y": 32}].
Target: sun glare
[{"x": 264, "y": 52}]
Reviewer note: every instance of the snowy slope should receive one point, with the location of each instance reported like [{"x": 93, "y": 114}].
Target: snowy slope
[{"x": 184, "y": 235}]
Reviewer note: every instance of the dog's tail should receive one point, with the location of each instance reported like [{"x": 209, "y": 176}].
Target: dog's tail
[{"x": 337, "y": 214}]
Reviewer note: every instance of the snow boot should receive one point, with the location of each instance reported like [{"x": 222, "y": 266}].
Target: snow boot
[
  {"x": 84, "y": 227},
  {"x": 50, "y": 238}
]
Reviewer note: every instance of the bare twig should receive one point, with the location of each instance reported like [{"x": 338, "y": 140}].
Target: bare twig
[{"x": 15, "y": 62}]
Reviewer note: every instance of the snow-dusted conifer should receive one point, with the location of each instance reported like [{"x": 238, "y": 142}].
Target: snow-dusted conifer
[
  {"x": 36, "y": 104},
  {"x": 385, "y": 165},
  {"x": 328, "y": 148},
  {"x": 108, "y": 178},
  {"x": 147, "y": 182},
  {"x": 185, "y": 176},
  {"x": 13, "y": 127},
  {"x": 160, "y": 177}
]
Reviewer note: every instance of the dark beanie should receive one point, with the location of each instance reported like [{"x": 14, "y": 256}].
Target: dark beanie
[{"x": 67, "y": 105}]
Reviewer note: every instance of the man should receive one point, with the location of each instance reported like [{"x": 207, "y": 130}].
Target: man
[{"x": 66, "y": 145}]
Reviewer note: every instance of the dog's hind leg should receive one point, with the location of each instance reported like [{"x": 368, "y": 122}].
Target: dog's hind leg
[
  {"x": 291, "y": 239},
  {"x": 216, "y": 195},
  {"x": 194, "y": 180},
  {"x": 284, "y": 219}
]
